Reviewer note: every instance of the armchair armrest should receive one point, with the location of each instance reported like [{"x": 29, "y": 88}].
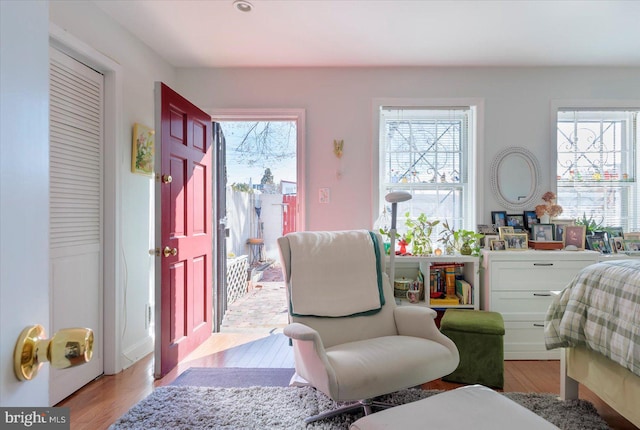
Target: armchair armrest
[
  {"x": 299, "y": 331},
  {"x": 418, "y": 321},
  {"x": 312, "y": 362}
]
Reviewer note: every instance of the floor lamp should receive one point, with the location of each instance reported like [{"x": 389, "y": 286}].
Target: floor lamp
[{"x": 394, "y": 198}]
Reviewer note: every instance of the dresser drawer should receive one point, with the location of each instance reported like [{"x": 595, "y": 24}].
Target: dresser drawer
[
  {"x": 543, "y": 275},
  {"x": 509, "y": 302},
  {"x": 524, "y": 340}
]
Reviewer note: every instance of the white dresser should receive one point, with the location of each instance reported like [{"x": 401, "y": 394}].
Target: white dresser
[{"x": 520, "y": 285}]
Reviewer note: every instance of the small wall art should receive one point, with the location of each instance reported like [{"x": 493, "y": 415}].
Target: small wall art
[{"x": 142, "y": 151}]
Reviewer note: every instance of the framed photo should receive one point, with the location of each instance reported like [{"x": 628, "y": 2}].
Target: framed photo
[
  {"x": 632, "y": 235},
  {"x": 615, "y": 232},
  {"x": 632, "y": 245},
  {"x": 516, "y": 241},
  {"x": 142, "y": 150},
  {"x": 543, "y": 232},
  {"x": 486, "y": 229},
  {"x": 559, "y": 228},
  {"x": 530, "y": 219},
  {"x": 600, "y": 236},
  {"x": 498, "y": 245},
  {"x": 504, "y": 230},
  {"x": 488, "y": 239},
  {"x": 515, "y": 220},
  {"x": 574, "y": 235},
  {"x": 499, "y": 218},
  {"x": 618, "y": 244},
  {"x": 599, "y": 244}
]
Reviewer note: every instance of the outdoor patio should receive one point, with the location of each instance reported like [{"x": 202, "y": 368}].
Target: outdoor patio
[{"x": 262, "y": 309}]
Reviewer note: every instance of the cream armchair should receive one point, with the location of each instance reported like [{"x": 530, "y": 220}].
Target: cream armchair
[{"x": 351, "y": 341}]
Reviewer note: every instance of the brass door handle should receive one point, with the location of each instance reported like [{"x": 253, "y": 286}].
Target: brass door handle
[
  {"x": 169, "y": 251},
  {"x": 68, "y": 347},
  {"x": 166, "y": 179}
]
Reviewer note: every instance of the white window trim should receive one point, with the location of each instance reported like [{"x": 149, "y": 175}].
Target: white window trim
[
  {"x": 559, "y": 105},
  {"x": 476, "y": 154}
]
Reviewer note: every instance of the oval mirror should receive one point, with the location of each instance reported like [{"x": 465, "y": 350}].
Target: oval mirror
[{"x": 515, "y": 176}]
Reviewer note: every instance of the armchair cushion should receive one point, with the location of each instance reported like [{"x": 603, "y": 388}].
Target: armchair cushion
[{"x": 319, "y": 275}]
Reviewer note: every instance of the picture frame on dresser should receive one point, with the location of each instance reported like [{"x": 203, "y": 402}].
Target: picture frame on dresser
[
  {"x": 498, "y": 245},
  {"x": 560, "y": 225},
  {"x": 615, "y": 232},
  {"x": 616, "y": 244},
  {"x": 632, "y": 245},
  {"x": 530, "y": 218},
  {"x": 487, "y": 240},
  {"x": 574, "y": 236},
  {"x": 505, "y": 230},
  {"x": 515, "y": 220},
  {"x": 599, "y": 244},
  {"x": 516, "y": 241},
  {"x": 543, "y": 232},
  {"x": 499, "y": 218}
]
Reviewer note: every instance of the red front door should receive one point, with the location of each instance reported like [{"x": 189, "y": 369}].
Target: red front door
[{"x": 186, "y": 244}]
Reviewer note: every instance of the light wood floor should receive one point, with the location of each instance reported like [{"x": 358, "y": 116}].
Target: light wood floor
[{"x": 100, "y": 403}]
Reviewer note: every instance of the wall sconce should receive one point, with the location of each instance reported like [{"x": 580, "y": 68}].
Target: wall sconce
[
  {"x": 338, "y": 149},
  {"x": 69, "y": 347}
]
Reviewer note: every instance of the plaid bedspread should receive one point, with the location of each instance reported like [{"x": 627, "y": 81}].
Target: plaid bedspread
[{"x": 600, "y": 309}]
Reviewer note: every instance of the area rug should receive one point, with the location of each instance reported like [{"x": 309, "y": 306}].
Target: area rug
[
  {"x": 234, "y": 377},
  {"x": 285, "y": 408}
]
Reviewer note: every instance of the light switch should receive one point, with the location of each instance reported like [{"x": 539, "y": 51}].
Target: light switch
[{"x": 324, "y": 196}]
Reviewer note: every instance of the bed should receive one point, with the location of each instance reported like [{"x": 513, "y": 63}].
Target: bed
[{"x": 596, "y": 320}]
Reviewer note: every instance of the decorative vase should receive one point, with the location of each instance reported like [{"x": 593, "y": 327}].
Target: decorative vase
[
  {"x": 545, "y": 219},
  {"x": 465, "y": 249}
]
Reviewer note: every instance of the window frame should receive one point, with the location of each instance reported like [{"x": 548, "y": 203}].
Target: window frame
[
  {"x": 474, "y": 198},
  {"x": 586, "y": 105}
]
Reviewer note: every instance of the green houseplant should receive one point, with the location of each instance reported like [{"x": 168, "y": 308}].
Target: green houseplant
[
  {"x": 419, "y": 233},
  {"x": 466, "y": 242}
]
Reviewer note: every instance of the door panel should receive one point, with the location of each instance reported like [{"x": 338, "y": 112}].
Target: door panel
[
  {"x": 178, "y": 300},
  {"x": 178, "y": 201},
  {"x": 185, "y": 229},
  {"x": 75, "y": 217}
]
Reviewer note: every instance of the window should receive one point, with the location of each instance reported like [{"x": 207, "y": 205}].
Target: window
[
  {"x": 597, "y": 170},
  {"x": 429, "y": 153}
]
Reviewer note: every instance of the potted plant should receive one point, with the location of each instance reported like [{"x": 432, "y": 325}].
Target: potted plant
[
  {"x": 466, "y": 242},
  {"x": 549, "y": 208},
  {"x": 590, "y": 224},
  {"x": 419, "y": 233}
]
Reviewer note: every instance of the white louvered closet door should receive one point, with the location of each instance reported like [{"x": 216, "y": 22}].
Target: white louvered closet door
[{"x": 76, "y": 140}]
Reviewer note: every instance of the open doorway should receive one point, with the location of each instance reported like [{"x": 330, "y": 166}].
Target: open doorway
[{"x": 262, "y": 193}]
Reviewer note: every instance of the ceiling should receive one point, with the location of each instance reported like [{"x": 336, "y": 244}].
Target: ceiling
[{"x": 290, "y": 33}]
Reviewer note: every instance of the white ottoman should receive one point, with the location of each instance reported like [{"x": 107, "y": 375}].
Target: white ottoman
[{"x": 475, "y": 407}]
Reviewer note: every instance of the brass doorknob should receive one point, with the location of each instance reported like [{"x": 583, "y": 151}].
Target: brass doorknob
[
  {"x": 69, "y": 347},
  {"x": 169, "y": 251},
  {"x": 166, "y": 179}
]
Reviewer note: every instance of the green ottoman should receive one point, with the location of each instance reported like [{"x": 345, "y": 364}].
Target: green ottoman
[{"x": 479, "y": 338}]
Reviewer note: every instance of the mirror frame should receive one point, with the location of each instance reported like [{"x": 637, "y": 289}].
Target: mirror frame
[{"x": 534, "y": 169}]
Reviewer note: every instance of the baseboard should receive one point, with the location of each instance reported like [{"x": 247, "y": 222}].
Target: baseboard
[{"x": 135, "y": 352}]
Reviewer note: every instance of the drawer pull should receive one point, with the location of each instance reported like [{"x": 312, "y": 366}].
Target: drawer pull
[
  {"x": 542, "y": 294},
  {"x": 543, "y": 264},
  {"x": 538, "y": 325}
]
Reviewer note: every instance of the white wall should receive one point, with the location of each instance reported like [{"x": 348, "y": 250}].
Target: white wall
[
  {"x": 24, "y": 189},
  {"x": 140, "y": 68},
  {"x": 338, "y": 103}
]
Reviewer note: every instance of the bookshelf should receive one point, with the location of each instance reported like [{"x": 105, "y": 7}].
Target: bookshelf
[{"x": 467, "y": 268}]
